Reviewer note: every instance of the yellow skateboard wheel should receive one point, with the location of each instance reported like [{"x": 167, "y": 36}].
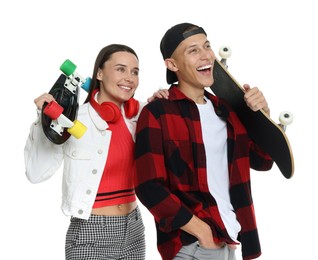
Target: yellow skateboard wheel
[{"x": 77, "y": 130}]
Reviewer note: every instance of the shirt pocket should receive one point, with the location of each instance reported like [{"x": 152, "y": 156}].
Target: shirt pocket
[
  {"x": 78, "y": 154},
  {"x": 76, "y": 163}
]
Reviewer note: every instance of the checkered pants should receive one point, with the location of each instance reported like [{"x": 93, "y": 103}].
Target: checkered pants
[{"x": 106, "y": 238}]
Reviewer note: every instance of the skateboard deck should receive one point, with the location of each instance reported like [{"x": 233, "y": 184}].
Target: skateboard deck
[
  {"x": 66, "y": 94},
  {"x": 270, "y": 137}
]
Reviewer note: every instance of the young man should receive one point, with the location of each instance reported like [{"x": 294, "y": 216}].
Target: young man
[{"x": 194, "y": 158}]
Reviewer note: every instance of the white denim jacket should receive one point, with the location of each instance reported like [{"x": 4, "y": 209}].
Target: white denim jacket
[{"x": 84, "y": 160}]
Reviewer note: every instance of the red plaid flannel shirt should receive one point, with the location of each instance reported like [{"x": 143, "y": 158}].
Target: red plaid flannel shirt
[{"x": 171, "y": 179}]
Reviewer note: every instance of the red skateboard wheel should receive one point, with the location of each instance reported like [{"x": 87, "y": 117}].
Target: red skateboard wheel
[{"x": 53, "y": 110}]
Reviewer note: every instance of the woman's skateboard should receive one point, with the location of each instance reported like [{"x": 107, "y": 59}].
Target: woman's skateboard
[
  {"x": 261, "y": 128},
  {"x": 59, "y": 118}
]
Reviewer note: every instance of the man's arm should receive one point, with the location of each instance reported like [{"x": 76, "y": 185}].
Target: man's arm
[{"x": 151, "y": 179}]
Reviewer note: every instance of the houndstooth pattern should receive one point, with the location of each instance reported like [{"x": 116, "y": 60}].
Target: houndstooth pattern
[{"x": 106, "y": 238}]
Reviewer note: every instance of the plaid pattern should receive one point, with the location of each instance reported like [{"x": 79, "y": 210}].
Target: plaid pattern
[
  {"x": 106, "y": 238},
  {"x": 171, "y": 179}
]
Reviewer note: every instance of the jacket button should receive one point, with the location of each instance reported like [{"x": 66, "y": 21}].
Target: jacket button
[{"x": 80, "y": 212}]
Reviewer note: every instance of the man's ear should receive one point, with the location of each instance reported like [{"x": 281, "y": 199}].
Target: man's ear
[
  {"x": 99, "y": 75},
  {"x": 171, "y": 65}
]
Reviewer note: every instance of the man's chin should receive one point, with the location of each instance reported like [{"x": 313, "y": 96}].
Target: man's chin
[{"x": 208, "y": 84}]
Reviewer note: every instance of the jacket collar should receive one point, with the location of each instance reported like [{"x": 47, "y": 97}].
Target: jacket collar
[{"x": 100, "y": 123}]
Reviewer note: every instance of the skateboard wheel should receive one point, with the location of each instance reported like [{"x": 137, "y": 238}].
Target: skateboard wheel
[
  {"x": 77, "y": 130},
  {"x": 225, "y": 52},
  {"x": 53, "y": 110},
  {"x": 68, "y": 67},
  {"x": 86, "y": 84},
  {"x": 285, "y": 118}
]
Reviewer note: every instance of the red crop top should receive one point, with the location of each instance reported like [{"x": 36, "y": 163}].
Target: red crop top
[{"x": 116, "y": 186}]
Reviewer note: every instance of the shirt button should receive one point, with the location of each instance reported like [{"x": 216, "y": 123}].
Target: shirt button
[
  {"x": 219, "y": 112},
  {"x": 88, "y": 192},
  {"x": 100, "y": 151},
  {"x": 74, "y": 153},
  {"x": 94, "y": 171},
  {"x": 103, "y": 133},
  {"x": 80, "y": 212}
]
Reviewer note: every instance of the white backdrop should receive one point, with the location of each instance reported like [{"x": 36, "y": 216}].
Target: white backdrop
[{"x": 274, "y": 46}]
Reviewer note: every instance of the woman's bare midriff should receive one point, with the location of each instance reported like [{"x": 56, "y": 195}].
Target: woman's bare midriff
[{"x": 116, "y": 210}]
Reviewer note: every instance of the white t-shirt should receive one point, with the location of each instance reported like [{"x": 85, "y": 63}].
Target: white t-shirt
[{"x": 214, "y": 134}]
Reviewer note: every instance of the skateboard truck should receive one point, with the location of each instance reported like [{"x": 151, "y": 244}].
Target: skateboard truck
[
  {"x": 74, "y": 79},
  {"x": 60, "y": 121}
]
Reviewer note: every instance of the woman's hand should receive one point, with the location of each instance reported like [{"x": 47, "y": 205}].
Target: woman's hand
[
  {"x": 45, "y": 97},
  {"x": 161, "y": 93}
]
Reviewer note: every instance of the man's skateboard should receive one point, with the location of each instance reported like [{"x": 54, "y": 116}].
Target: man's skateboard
[
  {"x": 59, "y": 118},
  {"x": 261, "y": 128}
]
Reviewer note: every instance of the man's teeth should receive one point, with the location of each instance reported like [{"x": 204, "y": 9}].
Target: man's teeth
[{"x": 204, "y": 67}]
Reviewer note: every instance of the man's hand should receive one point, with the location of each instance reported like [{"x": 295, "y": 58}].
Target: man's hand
[
  {"x": 255, "y": 99},
  {"x": 202, "y": 232}
]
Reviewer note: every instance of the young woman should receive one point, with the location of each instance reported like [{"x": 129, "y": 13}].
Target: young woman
[{"x": 98, "y": 190}]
